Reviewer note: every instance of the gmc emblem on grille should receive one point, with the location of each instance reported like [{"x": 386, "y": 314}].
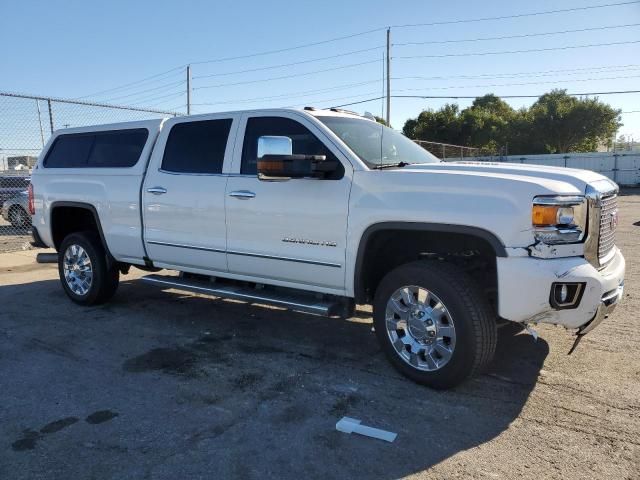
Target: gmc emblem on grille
[{"x": 613, "y": 220}]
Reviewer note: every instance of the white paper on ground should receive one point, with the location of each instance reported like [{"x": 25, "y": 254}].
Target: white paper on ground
[{"x": 352, "y": 425}]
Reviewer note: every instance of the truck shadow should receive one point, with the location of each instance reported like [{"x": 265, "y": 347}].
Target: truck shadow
[
  {"x": 280, "y": 373},
  {"x": 306, "y": 372}
]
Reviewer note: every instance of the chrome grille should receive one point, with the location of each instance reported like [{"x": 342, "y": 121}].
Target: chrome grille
[{"x": 608, "y": 222}]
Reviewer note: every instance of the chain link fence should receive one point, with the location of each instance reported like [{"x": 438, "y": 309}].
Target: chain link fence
[
  {"x": 26, "y": 123},
  {"x": 445, "y": 151}
]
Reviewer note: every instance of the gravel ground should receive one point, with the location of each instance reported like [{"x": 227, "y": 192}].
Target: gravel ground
[
  {"x": 12, "y": 238},
  {"x": 163, "y": 385}
]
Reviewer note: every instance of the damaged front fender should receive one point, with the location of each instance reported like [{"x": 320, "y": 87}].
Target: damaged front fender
[{"x": 543, "y": 250}]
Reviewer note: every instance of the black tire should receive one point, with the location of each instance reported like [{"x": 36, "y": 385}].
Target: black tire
[
  {"x": 19, "y": 217},
  {"x": 104, "y": 282},
  {"x": 473, "y": 318}
]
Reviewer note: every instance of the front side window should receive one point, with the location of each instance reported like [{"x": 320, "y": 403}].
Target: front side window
[
  {"x": 303, "y": 142},
  {"x": 197, "y": 147}
]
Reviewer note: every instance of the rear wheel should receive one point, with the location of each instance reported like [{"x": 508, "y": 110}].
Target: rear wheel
[
  {"x": 433, "y": 323},
  {"x": 19, "y": 217},
  {"x": 84, "y": 272}
]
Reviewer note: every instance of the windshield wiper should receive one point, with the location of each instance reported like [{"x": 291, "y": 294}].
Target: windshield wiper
[{"x": 391, "y": 165}]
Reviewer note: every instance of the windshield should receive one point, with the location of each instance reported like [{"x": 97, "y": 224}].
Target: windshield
[{"x": 375, "y": 144}]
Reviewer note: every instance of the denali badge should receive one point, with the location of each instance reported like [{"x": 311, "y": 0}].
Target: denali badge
[{"x": 304, "y": 241}]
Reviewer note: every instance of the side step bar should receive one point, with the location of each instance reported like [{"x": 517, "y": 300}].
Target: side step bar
[{"x": 302, "y": 302}]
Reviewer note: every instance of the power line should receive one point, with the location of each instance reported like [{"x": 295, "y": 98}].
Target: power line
[
  {"x": 246, "y": 82},
  {"x": 161, "y": 87},
  {"x": 537, "y": 73},
  {"x": 184, "y": 105},
  {"x": 516, "y": 84},
  {"x": 169, "y": 99},
  {"x": 288, "y": 49},
  {"x": 499, "y": 75},
  {"x": 344, "y": 37},
  {"x": 445, "y": 22},
  {"x": 456, "y": 97},
  {"x": 473, "y": 54},
  {"x": 289, "y": 64},
  {"x": 520, "y": 15},
  {"x": 153, "y": 99},
  {"x": 586, "y": 94},
  {"x": 314, "y": 102},
  {"x": 292, "y": 94},
  {"x": 132, "y": 83},
  {"x": 515, "y": 36}
]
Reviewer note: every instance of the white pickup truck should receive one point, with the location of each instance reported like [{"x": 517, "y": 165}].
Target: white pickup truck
[{"x": 319, "y": 210}]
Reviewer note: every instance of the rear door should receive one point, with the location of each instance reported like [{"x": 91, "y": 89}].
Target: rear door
[
  {"x": 184, "y": 193},
  {"x": 290, "y": 231}
]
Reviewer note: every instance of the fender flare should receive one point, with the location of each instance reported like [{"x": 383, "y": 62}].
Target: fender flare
[
  {"x": 495, "y": 243},
  {"x": 96, "y": 217}
]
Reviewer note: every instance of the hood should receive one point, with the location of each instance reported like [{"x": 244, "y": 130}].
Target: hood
[
  {"x": 496, "y": 197},
  {"x": 550, "y": 177}
]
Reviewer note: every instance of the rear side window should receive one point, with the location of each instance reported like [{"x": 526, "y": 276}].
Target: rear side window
[
  {"x": 69, "y": 151},
  {"x": 118, "y": 149},
  {"x": 196, "y": 147},
  {"x": 108, "y": 149}
]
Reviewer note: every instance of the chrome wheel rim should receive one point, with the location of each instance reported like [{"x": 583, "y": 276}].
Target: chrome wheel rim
[
  {"x": 19, "y": 218},
  {"x": 420, "y": 328},
  {"x": 78, "y": 271}
]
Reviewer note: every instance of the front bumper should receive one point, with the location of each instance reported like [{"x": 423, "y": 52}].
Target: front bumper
[
  {"x": 607, "y": 306},
  {"x": 524, "y": 284}
]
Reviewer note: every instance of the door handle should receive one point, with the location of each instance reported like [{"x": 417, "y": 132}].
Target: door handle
[
  {"x": 242, "y": 194},
  {"x": 157, "y": 190}
]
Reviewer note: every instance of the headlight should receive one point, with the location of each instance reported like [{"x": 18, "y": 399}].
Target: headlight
[{"x": 559, "y": 219}]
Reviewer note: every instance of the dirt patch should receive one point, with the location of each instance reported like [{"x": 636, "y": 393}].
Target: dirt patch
[
  {"x": 168, "y": 360},
  {"x": 58, "y": 425},
  {"x": 344, "y": 404},
  {"x": 101, "y": 416}
]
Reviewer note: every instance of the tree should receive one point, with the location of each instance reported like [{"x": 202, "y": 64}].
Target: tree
[
  {"x": 555, "y": 123},
  {"x": 487, "y": 121},
  {"x": 381, "y": 120},
  {"x": 436, "y": 125},
  {"x": 566, "y": 123}
]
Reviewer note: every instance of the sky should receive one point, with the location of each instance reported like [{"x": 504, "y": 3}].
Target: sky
[{"x": 89, "y": 50}]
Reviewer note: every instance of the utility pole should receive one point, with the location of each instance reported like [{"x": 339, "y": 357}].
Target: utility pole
[
  {"x": 188, "y": 89},
  {"x": 389, "y": 76}
]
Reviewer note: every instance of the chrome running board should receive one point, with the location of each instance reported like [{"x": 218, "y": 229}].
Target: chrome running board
[{"x": 299, "y": 302}]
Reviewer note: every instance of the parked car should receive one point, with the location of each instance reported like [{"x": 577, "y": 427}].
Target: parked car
[
  {"x": 16, "y": 210},
  {"x": 319, "y": 210},
  {"x": 11, "y": 185}
]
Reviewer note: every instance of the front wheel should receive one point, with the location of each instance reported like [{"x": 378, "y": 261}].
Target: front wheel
[
  {"x": 84, "y": 272},
  {"x": 433, "y": 323}
]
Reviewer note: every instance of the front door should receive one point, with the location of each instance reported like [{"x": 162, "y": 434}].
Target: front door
[
  {"x": 291, "y": 231},
  {"x": 184, "y": 194}
]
